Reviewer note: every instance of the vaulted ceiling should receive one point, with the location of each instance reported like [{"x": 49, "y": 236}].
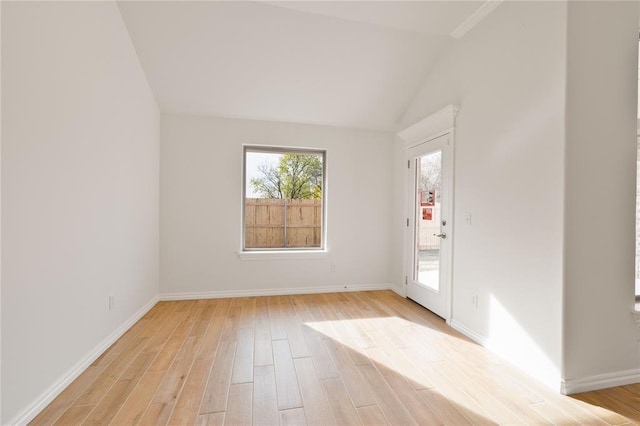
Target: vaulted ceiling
[{"x": 343, "y": 63}]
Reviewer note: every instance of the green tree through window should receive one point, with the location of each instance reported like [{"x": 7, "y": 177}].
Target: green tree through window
[{"x": 295, "y": 177}]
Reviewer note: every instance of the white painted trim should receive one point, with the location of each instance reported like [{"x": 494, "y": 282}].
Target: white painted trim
[
  {"x": 399, "y": 290},
  {"x": 65, "y": 380},
  {"x": 475, "y": 18},
  {"x": 274, "y": 292},
  {"x": 570, "y": 386},
  {"x": 478, "y": 338},
  {"x": 600, "y": 381},
  {"x": 486, "y": 343},
  {"x": 435, "y": 125},
  {"x": 282, "y": 254}
]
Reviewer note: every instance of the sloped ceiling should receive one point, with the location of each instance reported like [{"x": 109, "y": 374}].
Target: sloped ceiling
[{"x": 348, "y": 64}]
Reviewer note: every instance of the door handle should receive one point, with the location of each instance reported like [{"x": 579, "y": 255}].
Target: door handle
[{"x": 443, "y": 235}]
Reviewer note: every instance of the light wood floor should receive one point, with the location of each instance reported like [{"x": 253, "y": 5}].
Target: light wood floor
[{"x": 346, "y": 358}]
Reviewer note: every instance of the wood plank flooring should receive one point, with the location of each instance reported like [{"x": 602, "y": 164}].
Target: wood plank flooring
[{"x": 343, "y": 358}]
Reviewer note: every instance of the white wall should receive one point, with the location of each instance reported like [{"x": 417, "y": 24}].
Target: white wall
[
  {"x": 507, "y": 76},
  {"x": 600, "y": 335},
  {"x": 80, "y": 221},
  {"x": 201, "y": 174},
  {"x": 0, "y": 211}
]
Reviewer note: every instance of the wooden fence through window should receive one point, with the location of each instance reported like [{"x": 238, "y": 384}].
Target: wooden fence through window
[{"x": 278, "y": 223}]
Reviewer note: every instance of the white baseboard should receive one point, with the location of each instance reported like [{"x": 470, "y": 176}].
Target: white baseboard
[
  {"x": 552, "y": 383},
  {"x": 274, "y": 292},
  {"x": 601, "y": 381},
  {"x": 65, "y": 380},
  {"x": 399, "y": 290},
  {"x": 570, "y": 386},
  {"x": 478, "y": 338}
]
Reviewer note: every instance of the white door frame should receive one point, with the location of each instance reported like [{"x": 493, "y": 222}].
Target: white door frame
[
  {"x": 432, "y": 127},
  {"x": 437, "y": 300}
]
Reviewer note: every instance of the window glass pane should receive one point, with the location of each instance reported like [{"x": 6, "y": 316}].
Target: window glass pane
[
  {"x": 427, "y": 250},
  {"x": 283, "y": 206}
]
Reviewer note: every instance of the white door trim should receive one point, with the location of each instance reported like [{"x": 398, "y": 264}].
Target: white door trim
[{"x": 437, "y": 124}]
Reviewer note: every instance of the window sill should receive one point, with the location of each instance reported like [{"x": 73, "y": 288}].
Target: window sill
[{"x": 282, "y": 255}]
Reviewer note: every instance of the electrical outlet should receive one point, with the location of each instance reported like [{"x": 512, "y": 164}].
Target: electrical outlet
[
  {"x": 474, "y": 301},
  {"x": 112, "y": 302},
  {"x": 333, "y": 267}
]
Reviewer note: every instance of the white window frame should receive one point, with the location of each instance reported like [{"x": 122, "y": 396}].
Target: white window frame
[{"x": 248, "y": 253}]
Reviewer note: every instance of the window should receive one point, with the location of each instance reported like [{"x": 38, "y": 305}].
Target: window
[{"x": 283, "y": 199}]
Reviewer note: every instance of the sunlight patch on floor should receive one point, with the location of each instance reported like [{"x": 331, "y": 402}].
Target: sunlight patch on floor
[{"x": 398, "y": 346}]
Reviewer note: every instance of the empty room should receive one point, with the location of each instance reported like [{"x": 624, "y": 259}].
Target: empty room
[{"x": 341, "y": 212}]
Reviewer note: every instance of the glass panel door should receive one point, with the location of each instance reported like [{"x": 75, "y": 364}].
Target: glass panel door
[{"x": 429, "y": 237}]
